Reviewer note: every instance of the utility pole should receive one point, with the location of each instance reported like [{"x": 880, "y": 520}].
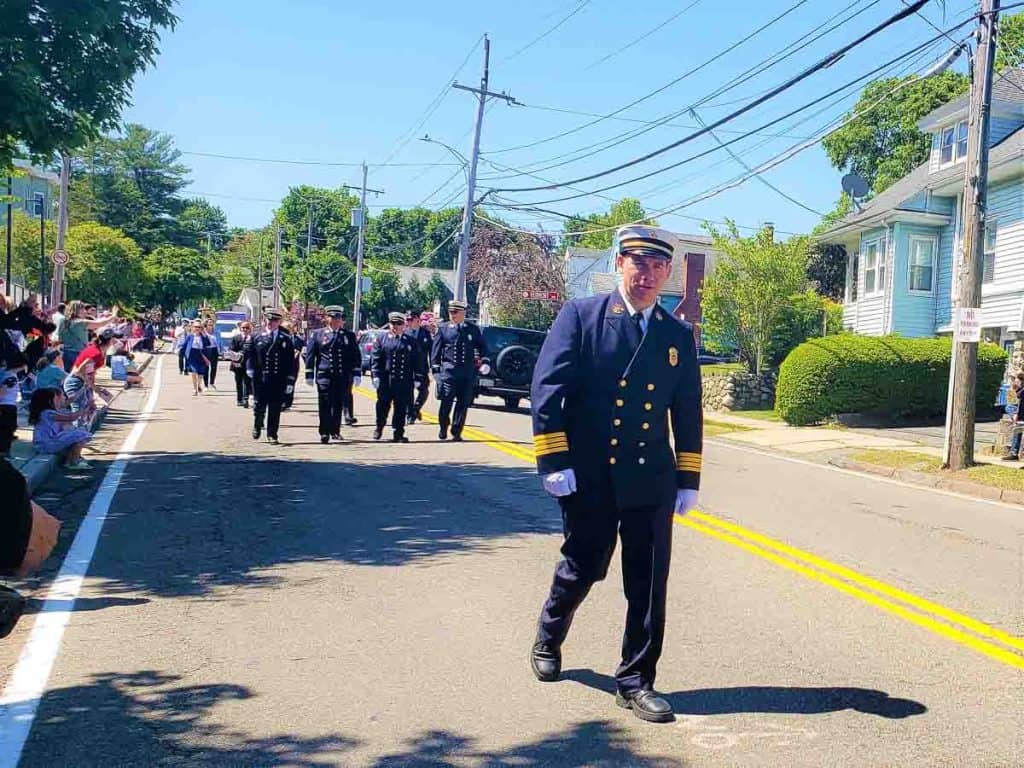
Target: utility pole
[
  {"x": 276, "y": 301},
  {"x": 8, "y": 289},
  {"x": 964, "y": 358},
  {"x": 42, "y": 249},
  {"x": 57, "y": 288},
  {"x": 467, "y": 216},
  {"x": 357, "y": 299},
  {"x": 259, "y": 272}
]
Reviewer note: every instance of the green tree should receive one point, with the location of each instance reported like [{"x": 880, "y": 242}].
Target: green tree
[
  {"x": 626, "y": 211},
  {"x": 439, "y": 229},
  {"x": 385, "y": 294},
  {"x": 238, "y": 265},
  {"x": 131, "y": 182},
  {"x": 202, "y": 224},
  {"x": 804, "y": 316},
  {"x": 745, "y": 296},
  {"x": 66, "y": 69},
  {"x": 105, "y": 266},
  {"x": 179, "y": 276},
  {"x": 1010, "y": 52},
  {"x": 399, "y": 235},
  {"x": 25, "y": 248},
  {"x": 884, "y": 144}
]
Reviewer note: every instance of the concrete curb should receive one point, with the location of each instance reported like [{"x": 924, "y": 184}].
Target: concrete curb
[
  {"x": 928, "y": 480},
  {"x": 37, "y": 469}
]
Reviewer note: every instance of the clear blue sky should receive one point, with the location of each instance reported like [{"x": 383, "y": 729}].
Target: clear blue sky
[{"x": 322, "y": 80}]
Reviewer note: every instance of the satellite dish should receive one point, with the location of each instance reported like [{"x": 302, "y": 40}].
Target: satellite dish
[{"x": 856, "y": 187}]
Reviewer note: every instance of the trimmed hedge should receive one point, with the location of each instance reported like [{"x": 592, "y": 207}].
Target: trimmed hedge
[{"x": 888, "y": 375}]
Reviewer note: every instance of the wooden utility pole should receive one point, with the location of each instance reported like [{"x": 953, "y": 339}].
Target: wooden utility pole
[
  {"x": 57, "y": 287},
  {"x": 964, "y": 358},
  {"x": 277, "y": 268}
]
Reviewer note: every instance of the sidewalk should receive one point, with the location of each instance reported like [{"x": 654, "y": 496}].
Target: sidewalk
[
  {"x": 783, "y": 437},
  {"x": 36, "y": 467}
]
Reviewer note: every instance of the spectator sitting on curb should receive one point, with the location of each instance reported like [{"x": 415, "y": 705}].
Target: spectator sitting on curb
[
  {"x": 78, "y": 389},
  {"x": 50, "y": 370},
  {"x": 122, "y": 368},
  {"x": 54, "y": 432}
]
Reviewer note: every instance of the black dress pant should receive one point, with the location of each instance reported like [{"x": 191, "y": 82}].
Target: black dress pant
[
  {"x": 590, "y": 530},
  {"x": 347, "y": 401},
  {"x": 457, "y": 392},
  {"x": 394, "y": 397},
  {"x": 330, "y": 395},
  {"x": 243, "y": 385},
  {"x": 213, "y": 355},
  {"x": 8, "y": 426},
  {"x": 269, "y": 399},
  {"x": 181, "y": 360},
  {"x": 422, "y": 389}
]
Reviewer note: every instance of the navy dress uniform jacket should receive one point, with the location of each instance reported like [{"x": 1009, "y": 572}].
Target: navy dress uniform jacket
[
  {"x": 397, "y": 360},
  {"x": 604, "y": 401},
  {"x": 332, "y": 354},
  {"x": 454, "y": 350},
  {"x": 272, "y": 361}
]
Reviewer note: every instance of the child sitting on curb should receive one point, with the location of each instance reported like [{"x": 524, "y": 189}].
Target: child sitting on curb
[
  {"x": 122, "y": 368},
  {"x": 50, "y": 370},
  {"x": 53, "y": 430}
]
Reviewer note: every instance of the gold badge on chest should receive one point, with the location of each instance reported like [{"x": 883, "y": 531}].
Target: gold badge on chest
[
  {"x": 673, "y": 356},
  {"x": 618, "y": 309}
]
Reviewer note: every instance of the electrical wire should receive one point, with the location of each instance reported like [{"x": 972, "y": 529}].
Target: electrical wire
[
  {"x": 324, "y": 163},
  {"x": 825, "y": 62},
  {"x": 656, "y": 91},
  {"x": 642, "y": 37},
  {"x": 579, "y": 7}
]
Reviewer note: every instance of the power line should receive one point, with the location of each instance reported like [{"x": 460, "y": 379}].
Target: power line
[
  {"x": 655, "y": 92},
  {"x": 325, "y": 163},
  {"x": 823, "y": 63},
  {"x": 579, "y": 7},
  {"x": 642, "y": 37}
]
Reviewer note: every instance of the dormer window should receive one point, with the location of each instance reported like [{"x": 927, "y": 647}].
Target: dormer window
[{"x": 953, "y": 146}]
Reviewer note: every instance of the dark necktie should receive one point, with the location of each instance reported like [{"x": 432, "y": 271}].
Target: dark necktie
[{"x": 639, "y": 328}]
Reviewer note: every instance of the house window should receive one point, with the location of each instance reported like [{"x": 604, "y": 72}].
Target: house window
[
  {"x": 921, "y": 276},
  {"x": 953, "y": 145},
  {"x": 989, "y": 273},
  {"x": 874, "y": 267}
]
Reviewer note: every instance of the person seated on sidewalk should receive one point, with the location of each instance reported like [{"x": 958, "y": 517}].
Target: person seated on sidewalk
[
  {"x": 50, "y": 370},
  {"x": 122, "y": 368},
  {"x": 54, "y": 433},
  {"x": 78, "y": 389},
  {"x": 1018, "y": 389}
]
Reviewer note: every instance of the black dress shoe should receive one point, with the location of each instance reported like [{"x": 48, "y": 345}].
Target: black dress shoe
[
  {"x": 377, "y": 433},
  {"x": 336, "y": 436},
  {"x": 546, "y": 662},
  {"x": 256, "y": 434},
  {"x": 351, "y": 421},
  {"x": 647, "y": 705},
  {"x": 325, "y": 439},
  {"x": 442, "y": 435},
  {"x": 245, "y": 404},
  {"x": 399, "y": 439},
  {"x": 272, "y": 441},
  {"x": 456, "y": 438}
]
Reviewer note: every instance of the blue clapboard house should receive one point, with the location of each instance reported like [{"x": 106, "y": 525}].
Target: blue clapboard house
[{"x": 901, "y": 246}]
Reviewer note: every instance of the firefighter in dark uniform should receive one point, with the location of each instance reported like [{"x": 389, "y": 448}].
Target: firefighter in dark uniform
[
  {"x": 396, "y": 363},
  {"x": 331, "y": 356},
  {"x": 615, "y": 373},
  {"x": 453, "y": 361},
  {"x": 270, "y": 365},
  {"x": 424, "y": 342}
]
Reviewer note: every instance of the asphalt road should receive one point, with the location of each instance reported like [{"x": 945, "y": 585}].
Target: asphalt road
[{"x": 371, "y": 604}]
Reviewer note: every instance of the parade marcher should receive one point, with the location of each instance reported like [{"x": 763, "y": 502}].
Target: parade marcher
[
  {"x": 212, "y": 352},
  {"x": 614, "y": 374},
  {"x": 454, "y": 364},
  {"x": 298, "y": 343},
  {"x": 423, "y": 340},
  {"x": 270, "y": 365},
  {"x": 240, "y": 343},
  {"x": 348, "y": 409},
  {"x": 332, "y": 354},
  {"x": 195, "y": 348},
  {"x": 396, "y": 362}
]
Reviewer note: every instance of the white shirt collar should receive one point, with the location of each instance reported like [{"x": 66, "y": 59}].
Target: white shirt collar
[{"x": 630, "y": 309}]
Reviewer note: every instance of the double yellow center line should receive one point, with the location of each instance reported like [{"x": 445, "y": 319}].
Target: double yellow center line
[{"x": 938, "y": 619}]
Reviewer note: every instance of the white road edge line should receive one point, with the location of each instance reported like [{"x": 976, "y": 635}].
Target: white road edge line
[
  {"x": 20, "y": 699},
  {"x": 853, "y": 473}
]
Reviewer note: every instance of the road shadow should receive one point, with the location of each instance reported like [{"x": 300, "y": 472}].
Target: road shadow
[
  {"x": 84, "y": 604},
  {"x": 770, "y": 699},
  {"x": 150, "y": 718},
  {"x": 187, "y": 524}
]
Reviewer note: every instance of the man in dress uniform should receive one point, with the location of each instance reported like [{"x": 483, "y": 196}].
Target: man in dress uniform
[
  {"x": 615, "y": 373},
  {"x": 396, "y": 362},
  {"x": 454, "y": 365},
  {"x": 331, "y": 356},
  {"x": 270, "y": 365},
  {"x": 423, "y": 341}
]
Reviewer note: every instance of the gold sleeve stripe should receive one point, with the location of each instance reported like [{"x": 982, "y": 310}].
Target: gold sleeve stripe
[
  {"x": 550, "y": 450},
  {"x": 689, "y": 462},
  {"x": 563, "y": 444},
  {"x": 551, "y": 437},
  {"x": 683, "y": 455}
]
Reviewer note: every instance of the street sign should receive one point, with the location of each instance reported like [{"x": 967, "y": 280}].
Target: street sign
[
  {"x": 59, "y": 257},
  {"x": 967, "y": 324},
  {"x": 365, "y": 284},
  {"x": 534, "y": 295}
]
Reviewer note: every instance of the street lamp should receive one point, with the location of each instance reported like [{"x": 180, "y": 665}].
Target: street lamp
[{"x": 458, "y": 155}]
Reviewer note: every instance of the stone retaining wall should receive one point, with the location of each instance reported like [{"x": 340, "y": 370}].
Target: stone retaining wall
[{"x": 739, "y": 392}]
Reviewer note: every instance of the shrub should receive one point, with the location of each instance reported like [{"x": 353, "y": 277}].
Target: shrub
[{"x": 887, "y": 375}]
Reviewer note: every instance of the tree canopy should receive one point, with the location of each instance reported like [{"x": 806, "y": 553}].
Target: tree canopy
[
  {"x": 1010, "y": 52},
  {"x": 625, "y": 211},
  {"x": 179, "y": 276},
  {"x": 106, "y": 266},
  {"x": 66, "y": 69}
]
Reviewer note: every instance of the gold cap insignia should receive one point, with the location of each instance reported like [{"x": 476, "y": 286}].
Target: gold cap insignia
[
  {"x": 618, "y": 309},
  {"x": 673, "y": 356}
]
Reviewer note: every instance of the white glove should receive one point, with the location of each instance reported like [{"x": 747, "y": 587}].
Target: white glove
[
  {"x": 685, "y": 501},
  {"x": 376, "y": 382},
  {"x": 560, "y": 483},
  {"x": 357, "y": 381},
  {"x": 485, "y": 369}
]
